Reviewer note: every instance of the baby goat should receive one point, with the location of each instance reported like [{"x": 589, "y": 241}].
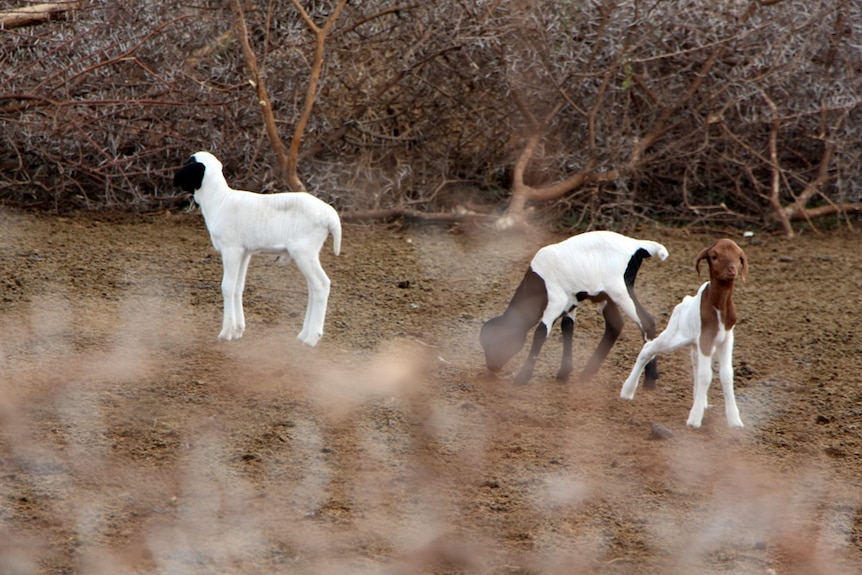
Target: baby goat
[
  {"x": 598, "y": 266},
  {"x": 704, "y": 322},
  {"x": 241, "y": 224}
]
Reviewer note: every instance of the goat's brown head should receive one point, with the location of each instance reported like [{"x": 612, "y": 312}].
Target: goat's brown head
[
  {"x": 501, "y": 341},
  {"x": 725, "y": 259}
]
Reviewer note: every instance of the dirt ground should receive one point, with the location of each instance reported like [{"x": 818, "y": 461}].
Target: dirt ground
[{"x": 133, "y": 441}]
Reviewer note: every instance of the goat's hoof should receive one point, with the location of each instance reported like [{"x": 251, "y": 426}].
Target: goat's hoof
[
  {"x": 310, "y": 340},
  {"x": 563, "y": 377},
  {"x": 586, "y": 376},
  {"x": 490, "y": 374},
  {"x": 229, "y": 334},
  {"x": 628, "y": 390}
]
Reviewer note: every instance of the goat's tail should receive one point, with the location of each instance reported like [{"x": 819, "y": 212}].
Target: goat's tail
[
  {"x": 655, "y": 249},
  {"x": 334, "y": 225}
]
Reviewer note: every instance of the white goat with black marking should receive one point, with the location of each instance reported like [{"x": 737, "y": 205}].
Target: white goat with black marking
[
  {"x": 705, "y": 323},
  {"x": 242, "y": 224},
  {"x": 599, "y": 266}
]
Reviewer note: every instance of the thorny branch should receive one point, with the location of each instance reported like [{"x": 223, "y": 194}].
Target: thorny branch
[{"x": 597, "y": 114}]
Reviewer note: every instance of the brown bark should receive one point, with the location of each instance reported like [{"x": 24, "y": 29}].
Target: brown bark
[
  {"x": 826, "y": 210},
  {"x": 775, "y": 186},
  {"x": 797, "y": 210},
  {"x": 36, "y": 14},
  {"x": 320, "y": 35},
  {"x": 659, "y": 128},
  {"x": 259, "y": 85},
  {"x": 523, "y": 193}
]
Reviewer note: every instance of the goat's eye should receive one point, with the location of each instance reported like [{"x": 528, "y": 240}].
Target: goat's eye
[{"x": 714, "y": 257}]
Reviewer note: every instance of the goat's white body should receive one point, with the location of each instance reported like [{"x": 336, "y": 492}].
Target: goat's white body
[
  {"x": 599, "y": 266},
  {"x": 590, "y": 263},
  {"x": 684, "y": 329},
  {"x": 242, "y": 224}
]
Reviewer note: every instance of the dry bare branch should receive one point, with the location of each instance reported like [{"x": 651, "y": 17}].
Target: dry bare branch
[
  {"x": 35, "y": 14},
  {"x": 775, "y": 169},
  {"x": 259, "y": 85},
  {"x": 320, "y": 35},
  {"x": 797, "y": 209},
  {"x": 603, "y": 113}
]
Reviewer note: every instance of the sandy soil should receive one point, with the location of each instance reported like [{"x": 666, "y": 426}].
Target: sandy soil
[{"x": 132, "y": 441}]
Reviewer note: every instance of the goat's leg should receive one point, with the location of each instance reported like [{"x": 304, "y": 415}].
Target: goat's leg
[
  {"x": 613, "y": 328},
  {"x": 232, "y": 262},
  {"x": 668, "y": 340},
  {"x": 702, "y": 379},
  {"x": 309, "y": 305},
  {"x": 318, "y": 297},
  {"x": 725, "y": 375},
  {"x": 694, "y": 359},
  {"x": 240, "y": 289},
  {"x": 646, "y": 322},
  {"x": 539, "y": 337},
  {"x": 648, "y": 353},
  {"x": 651, "y": 373},
  {"x": 305, "y": 268},
  {"x": 567, "y": 326},
  {"x": 648, "y": 329}
]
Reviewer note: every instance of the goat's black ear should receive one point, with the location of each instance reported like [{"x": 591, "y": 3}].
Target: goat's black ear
[{"x": 190, "y": 176}]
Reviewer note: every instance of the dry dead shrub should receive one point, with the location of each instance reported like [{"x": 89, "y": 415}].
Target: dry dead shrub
[{"x": 685, "y": 110}]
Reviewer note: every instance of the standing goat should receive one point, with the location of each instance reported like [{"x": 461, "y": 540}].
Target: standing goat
[
  {"x": 241, "y": 224},
  {"x": 597, "y": 266},
  {"x": 704, "y": 322}
]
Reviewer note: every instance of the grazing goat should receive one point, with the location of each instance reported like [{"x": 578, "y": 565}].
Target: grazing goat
[
  {"x": 704, "y": 322},
  {"x": 598, "y": 266},
  {"x": 241, "y": 224}
]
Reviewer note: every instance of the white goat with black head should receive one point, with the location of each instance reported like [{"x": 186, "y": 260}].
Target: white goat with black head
[
  {"x": 704, "y": 323},
  {"x": 241, "y": 224},
  {"x": 598, "y": 266}
]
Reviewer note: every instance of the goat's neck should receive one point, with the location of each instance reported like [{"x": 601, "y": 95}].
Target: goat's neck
[
  {"x": 529, "y": 302},
  {"x": 718, "y": 297},
  {"x": 522, "y": 317},
  {"x": 211, "y": 195}
]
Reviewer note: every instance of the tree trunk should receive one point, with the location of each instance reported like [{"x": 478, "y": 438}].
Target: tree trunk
[
  {"x": 320, "y": 35},
  {"x": 259, "y": 85}
]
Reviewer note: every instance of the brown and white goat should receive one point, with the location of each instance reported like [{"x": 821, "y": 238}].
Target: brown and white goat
[
  {"x": 705, "y": 323},
  {"x": 598, "y": 266}
]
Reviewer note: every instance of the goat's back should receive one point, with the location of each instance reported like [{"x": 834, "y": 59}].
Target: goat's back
[
  {"x": 290, "y": 221},
  {"x": 592, "y": 262}
]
